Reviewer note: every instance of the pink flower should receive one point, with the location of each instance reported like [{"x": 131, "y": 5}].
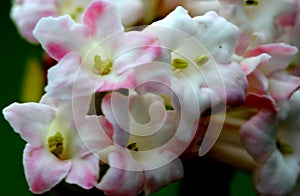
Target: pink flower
[
  {"x": 272, "y": 139},
  {"x": 27, "y": 13},
  {"x": 93, "y": 56},
  {"x": 61, "y": 141},
  {"x": 269, "y": 82}
]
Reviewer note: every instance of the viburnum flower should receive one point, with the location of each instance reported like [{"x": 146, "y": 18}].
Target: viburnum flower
[
  {"x": 145, "y": 151},
  {"x": 96, "y": 55},
  {"x": 57, "y": 133},
  {"x": 272, "y": 139},
  {"x": 256, "y": 19},
  {"x": 201, "y": 59},
  {"x": 269, "y": 81},
  {"x": 27, "y": 13}
]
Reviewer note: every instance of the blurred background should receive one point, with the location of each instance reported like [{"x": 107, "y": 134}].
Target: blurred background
[{"x": 18, "y": 58}]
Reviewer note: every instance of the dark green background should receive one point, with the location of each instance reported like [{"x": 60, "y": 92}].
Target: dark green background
[{"x": 14, "y": 53}]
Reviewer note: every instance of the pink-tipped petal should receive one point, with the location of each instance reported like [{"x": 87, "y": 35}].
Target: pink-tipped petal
[
  {"x": 281, "y": 54},
  {"x": 30, "y": 120},
  {"x": 258, "y": 135},
  {"x": 102, "y": 19},
  {"x": 121, "y": 182},
  {"x": 68, "y": 79},
  {"x": 42, "y": 169},
  {"x": 61, "y": 35},
  {"x": 26, "y": 15},
  {"x": 137, "y": 48},
  {"x": 84, "y": 171}
]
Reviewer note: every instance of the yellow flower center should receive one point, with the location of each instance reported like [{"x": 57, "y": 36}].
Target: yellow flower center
[
  {"x": 102, "y": 67},
  {"x": 55, "y": 144}
]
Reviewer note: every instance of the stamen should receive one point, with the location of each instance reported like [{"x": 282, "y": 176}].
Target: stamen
[
  {"x": 55, "y": 144},
  {"x": 133, "y": 146},
  {"x": 103, "y": 67},
  {"x": 284, "y": 147},
  {"x": 179, "y": 63},
  {"x": 251, "y": 2},
  {"x": 201, "y": 59}
]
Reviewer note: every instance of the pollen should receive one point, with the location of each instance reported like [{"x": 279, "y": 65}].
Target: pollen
[
  {"x": 103, "y": 67},
  {"x": 133, "y": 146},
  {"x": 201, "y": 59},
  {"x": 55, "y": 144},
  {"x": 179, "y": 63}
]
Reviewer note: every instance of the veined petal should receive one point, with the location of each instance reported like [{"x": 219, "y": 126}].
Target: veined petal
[
  {"x": 84, "y": 171},
  {"x": 61, "y": 35},
  {"x": 42, "y": 169},
  {"x": 119, "y": 180},
  {"x": 102, "y": 19},
  {"x": 258, "y": 135},
  {"x": 68, "y": 79},
  {"x": 30, "y": 120}
]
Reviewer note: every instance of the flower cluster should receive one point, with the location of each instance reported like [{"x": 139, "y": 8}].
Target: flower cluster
[{"x": 124, "y": 103}]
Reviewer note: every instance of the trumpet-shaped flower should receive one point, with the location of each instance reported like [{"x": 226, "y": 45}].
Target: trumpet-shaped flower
[
  {"x": 27, "y": 13},
  {"x": 95, "y": 55},
  {"x": 57, "y": 134},
  {"x": 273, "y": 141},
  {"x": 146, "y": 147}
]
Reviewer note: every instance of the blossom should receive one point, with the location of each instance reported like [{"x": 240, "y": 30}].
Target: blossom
[
  {"x": 269, "y": 82},
  {"x": 256, "y": 19},
  {"x": 273, "y": 141},
  {"x": 27, "y": 13},
  {"x": 57, "y": 133},
  {"x": 145, "y": 145},
  {"x": 96, "y": 55}
]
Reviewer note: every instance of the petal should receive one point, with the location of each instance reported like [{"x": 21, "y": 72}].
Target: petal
[
  {"x": 136, "y": 7},
  {"x": 113, "y": 106},
  {"x": 278, "y": 176},
  {"x": 68, "y": 79},
  {"x": 282, "y": 85},
  {"x": 163, "y": 176},
  {"x": 95, "y": 134},
  {"x": 137, "y": 48},
  {"x": 43, "y": 170},
  {"x": 225, "y": 36},
  {"x": 27, "y": 14},
  {"x": 30, "y": 120},
  {"x": 251, "y": 63},
  {"x": 281, "y": 54},
  {"x": 84, "y": 172},
  {"x": 173, "y": 28},
  {"x": 129, "y": 182},
  {"x": 102, "y": 19},
  {"x": 259, "y": 135},
  {"x": 61, "y": 35}
]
